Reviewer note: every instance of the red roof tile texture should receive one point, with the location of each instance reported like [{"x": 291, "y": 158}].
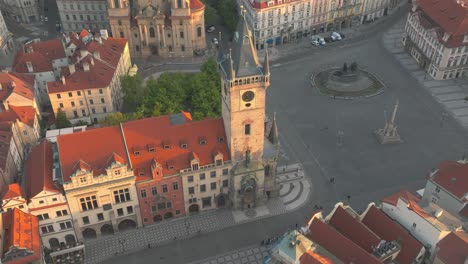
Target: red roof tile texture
[
  {"x": 23, "y": 233},
  {"x": 453, "y": 248},
  {"x": 339, "y": 245},
  {"x": 25, "y": 114},
  {"x": 94, "y": 147},
  {"x": 11, "y": 191},
  {"x": 39, "y": 167},
  {"x": 313, "y": 258},
  {"x": 40, "y": 54},
  {"x": 452, "y": 176},
  {"x": 196, "y": 4},
  {"x": 18, "y": 83},
  {"x": 410, "y": 199},
  {"x": 388, "y": 230},
  {"x": 353, "y": 229}
]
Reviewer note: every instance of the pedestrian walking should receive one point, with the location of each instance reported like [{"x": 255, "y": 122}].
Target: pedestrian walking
[
  {"x": 349, "y": 197},
  {"x": 332, "y": 180},
  {"x": 149, "y": 245},
  {"x": 296, "y": 225}
]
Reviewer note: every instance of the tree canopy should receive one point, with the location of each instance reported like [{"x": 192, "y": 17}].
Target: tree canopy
[
  {"x": 61, "y": 120},
  {"x": 227, "y": 9},
  {"x": 198, "y": 93}
]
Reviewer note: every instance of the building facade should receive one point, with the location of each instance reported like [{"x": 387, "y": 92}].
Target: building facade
[
  {"x": 374, "y": 9},
  {"x": 344, "y": 14},
  {"x": 6, "y": 41},
  {"x": 89, "y": 87},
  {"x": 438, "y": 40},
  {"x": 21, "y": 11},
  {"x": 172, "y": 28},
  {"x": 282, "y": 21},
  {"x": 88, "y": 14}
]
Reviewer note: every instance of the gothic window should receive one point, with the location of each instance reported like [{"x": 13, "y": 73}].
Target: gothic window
[
  {"x": 247, "y": 129},
  {"x": 199, "y": 32},
  {"x": 121, "y": 34},
  {"x": 116, "y": 4},
  {"x": 179, "y": 3},
  {"x": 151, "y": 32}
]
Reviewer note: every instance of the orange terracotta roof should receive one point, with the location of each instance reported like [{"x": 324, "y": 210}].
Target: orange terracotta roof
[
  {"x": 156, "y": 130},
  {"x": 40, "y": 54},
  {"x": 452, "y": 176},
  {"x": 313, "y": 258},
  {"x": 26, "y": 114},
  {"x": 39, "y": 167},
  {"x": 110, "y": 50},
  {"x": 196, "y": 4},
  {"x": 339, "y": 245},
  {"x": 99, "y": 76},
  {"x": 22, "y": 233},
  {"x": 450, "y": 16},
  {"x": 389, "y": 230},
  {"x": 115, "y": 158},
  {"x": 18, "y": 83},
  {"x": 93, "y": 147},
  {"x": 410, "y": 199},
  {"x": 84, "y": 33},
  {"x": 453, "y": 248},
  {"x": 11, "y": 191},
  {"x": 353, "y": 229}
]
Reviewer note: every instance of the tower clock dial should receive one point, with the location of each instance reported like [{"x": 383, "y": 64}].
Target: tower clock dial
[{"x": 248, "y": 96}]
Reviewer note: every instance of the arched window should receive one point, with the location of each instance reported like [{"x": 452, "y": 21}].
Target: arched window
[
  {"x": 116, "y": 3},
  {"x": 152, "y": 33},
  {"x": 179, "y": 3}
]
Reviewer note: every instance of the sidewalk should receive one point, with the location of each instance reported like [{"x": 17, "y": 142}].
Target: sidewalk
[
  {"x": 248, "y": 255},
  {"x": 295, "y": 191},
  {"x": 450, "y": 93}
]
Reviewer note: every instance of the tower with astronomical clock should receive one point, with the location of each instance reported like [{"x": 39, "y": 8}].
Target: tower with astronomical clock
[{"x": 254, "y": 154}]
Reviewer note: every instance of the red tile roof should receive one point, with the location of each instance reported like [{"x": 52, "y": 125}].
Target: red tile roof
[
  {"x": 453, "y": 248},
  {"x": 83, "y": 33},
  {"x": 11, "y": 191},
  {"x": 25, "y": 114},
  {"x": 338, "y": 245},
  {"x": 313, "y": 258},
  {"x": 353, "y": 229},
  {"x": 22, "y": 232},
  {"x": 40, "y": 54},
  {"x": 18, "y": 83},
  {"x": 450, "y": 16},
  {"x": 260, "y": 4},
  {"x": 388, "y": 230},
  {"x": 93, "y": 147},
  {"x": 39, "y": 167},
  {"x": 452, "y": 176},
  {"x": 409, "y": 198},
  {"x": 196, "y": 4},
  {"x": 159, "y": 130}
]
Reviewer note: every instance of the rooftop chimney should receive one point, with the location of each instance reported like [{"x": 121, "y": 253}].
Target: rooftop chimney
[
  {"x": 92, "y": 61},
  {"x": 86, "y": 67},
  {"x": 13, "y": 84},
  {"x": 63, "y": 80},
  {"x": 83, "y": 53},
  {"x": 104, "y": 33},
  {"x": 1, "y": 87},
  {"x": 71, "y": 68},
  {"x": 98, "y": 39},
  {"x": 30, "y": 66},
  {"x": 97, "y": 55}
]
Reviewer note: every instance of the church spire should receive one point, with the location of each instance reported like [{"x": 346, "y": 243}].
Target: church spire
[
  {"x": 273, "y": 136},
  {"x": 266, "y": 64}
]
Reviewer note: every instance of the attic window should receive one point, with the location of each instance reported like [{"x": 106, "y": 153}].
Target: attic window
[
  {"x": 166, "y": 144},
  {"x": 136, "y": 152},
  {"x": 151, "y": 148},
  {"x": 183, "y": 145},
  {"x": 202, "y": 140},
  {"x": 141, "y": 173},
  {"x": 220, "y": 139}
]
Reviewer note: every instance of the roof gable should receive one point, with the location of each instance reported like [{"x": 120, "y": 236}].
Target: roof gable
[
  {"x": 11, "y": 191},
  {"x": 453, "y": 177},
  {"x": 453, "y": 248}
]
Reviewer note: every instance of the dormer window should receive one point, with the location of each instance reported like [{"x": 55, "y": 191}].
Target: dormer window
[
  {"x": 183, "y": 145},
  {"x": 219, "y": 162},
  {"x": 117, "y": 172},
  {"x": 151, "y": 148},
  {"x": 446, "y": 37},
  {"x": 141, "y": 173},
  {"x": 136, "y": 151},
  {"x": 170, "y": 165},
  {"x": 220, "y": 139},
  {"x": 195, "y": 166},
  {"x": 83, "y": 180},
  {"x": 166, "y": 144},
  {"x": 202, "y": 140}
]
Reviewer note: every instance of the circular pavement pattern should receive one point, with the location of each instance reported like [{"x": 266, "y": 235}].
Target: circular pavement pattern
[{"x": 332, "y": 82}]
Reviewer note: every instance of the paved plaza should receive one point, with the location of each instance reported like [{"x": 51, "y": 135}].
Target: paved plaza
[{"x": 248, "y": 255}]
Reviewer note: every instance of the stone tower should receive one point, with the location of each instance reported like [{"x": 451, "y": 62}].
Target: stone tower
[
  {"x": 244, "y": 83},
  {"x": 168, "y": 28}
]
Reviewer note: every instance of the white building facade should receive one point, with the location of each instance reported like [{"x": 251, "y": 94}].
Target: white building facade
[
  {"x": 78, "y": 15},
  {"x": 374, "y": 9},
  {"x": 21, "y": 11},
  {"x": 6, "y": 41},
  {"x": 438, "y": 45}
]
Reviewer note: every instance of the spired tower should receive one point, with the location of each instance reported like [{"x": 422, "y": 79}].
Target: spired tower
[{"x": 244, "y": 83}]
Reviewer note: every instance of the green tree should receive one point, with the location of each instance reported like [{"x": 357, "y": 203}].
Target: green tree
[
  {"x": 211, "y": 15},
  {"x": 227, "y": 9},
  {"x": 117, "y": 118},
  {"x": 206, "y": 100},
  {"x": 134, "y": 90},
  {"x": 61, "y": 120}
]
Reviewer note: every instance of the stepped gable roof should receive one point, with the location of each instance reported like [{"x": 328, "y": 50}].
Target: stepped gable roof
[
  {"x": 449, "y": 15},
  {"x": 170, "y": 131},
  {"x": 92, "y": 147},
  {"x": 453, "y": 177},
  {"x": 25, "y": 114},
  {"x": 22, "y": 232},
  {"x": 311, "y": 257},
  {"x": 389, "y": 230},
  {"x": 99, "y": 76},
  {"x": 242, "y": 52},
  {"x": 339, "y": 245},
  {"x": 40, "y": 54},
  {"x": 11, "y": 191},
  {"x": 21, "y": 84},
  {"x": 453, "y": 248},
  {"x": 353, "y": 229},
  {"x": 39, "y": 167}
]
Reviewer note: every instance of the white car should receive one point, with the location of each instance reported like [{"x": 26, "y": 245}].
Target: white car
[
  {"x": 336, "y": 36},
  {"x": 210, "y": 29},
  {"x": 315, "y": 43},
  {"x": 215, "y": 41},
  {"x": 46, "y": 19}
]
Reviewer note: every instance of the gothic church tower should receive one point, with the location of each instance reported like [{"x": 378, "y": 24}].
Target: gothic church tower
[{"x": 244, "y": 81}]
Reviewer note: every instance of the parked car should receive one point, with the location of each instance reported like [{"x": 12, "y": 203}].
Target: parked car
[
  {"x": 342, "y": 35},
  {"x": 210, "y": 28},
  {"x": 215, "y": 41},
  {"x": 315, "y": 42},
  {"x": 336, "y": 35},
  {"x": 328, "y": 39},
  {"x": 321, "y": 41}
]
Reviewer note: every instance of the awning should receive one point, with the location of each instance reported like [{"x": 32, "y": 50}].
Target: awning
[
  {"x": 269, "y": 41},
  {"x": 278, "y": 40}
]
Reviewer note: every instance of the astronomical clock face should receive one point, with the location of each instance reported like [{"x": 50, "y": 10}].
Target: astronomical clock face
[{"x": 248, "y": 96}]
